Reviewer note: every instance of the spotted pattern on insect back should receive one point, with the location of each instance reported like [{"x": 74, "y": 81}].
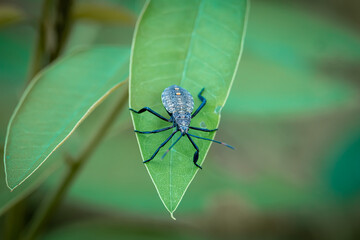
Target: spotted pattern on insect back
[{"x": 178, "y": 102}]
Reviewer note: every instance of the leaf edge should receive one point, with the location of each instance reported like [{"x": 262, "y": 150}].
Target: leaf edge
[
  {"x": 246, "y": 17},
  {"x": 21, "y": 101}
]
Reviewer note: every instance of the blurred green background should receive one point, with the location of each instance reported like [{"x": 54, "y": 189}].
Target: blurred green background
[{"x": 293, "y": 116}]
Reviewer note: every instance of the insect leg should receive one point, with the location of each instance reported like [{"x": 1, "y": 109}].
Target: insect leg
[
  {"x": 151, "y": 111},
  {"x": 203, "y": 102},
  {"x": 196, "y": 155},
  {"x": 208, "y": 139},
  {"x": 204, "y": 129},
  {"x": 163, "y": 144},
  {"x": 155, "y": 131},
  {"x": 172, "y": 145}
]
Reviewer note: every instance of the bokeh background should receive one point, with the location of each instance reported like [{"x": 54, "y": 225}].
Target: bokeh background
[{"x": 293, "y": 116}]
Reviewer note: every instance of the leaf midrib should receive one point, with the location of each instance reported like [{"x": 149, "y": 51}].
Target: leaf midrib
[{"x": 183, "y": 77}]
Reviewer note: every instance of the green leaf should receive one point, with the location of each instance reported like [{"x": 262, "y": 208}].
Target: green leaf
[
  {"x": 193, "y": 44},
  {"x": 55, "y": 103},
  {"x": 56, "y": 162}
]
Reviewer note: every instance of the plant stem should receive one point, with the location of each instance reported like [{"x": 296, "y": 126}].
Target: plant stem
[
  {"x": 53, "y": 31},
  {"x": 62, "y": 26},
  {"x": 54, "y": 27},
  {"x": 39, "y": 55},
  {"x": 51, "y": 204}
]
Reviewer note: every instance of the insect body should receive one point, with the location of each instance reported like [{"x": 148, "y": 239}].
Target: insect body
[{"x": 179, "y": 104}]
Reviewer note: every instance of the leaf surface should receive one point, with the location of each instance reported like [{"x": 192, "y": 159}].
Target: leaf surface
[
  {"x": 56, "y": 102},
  {"x": 194, "y": 44}
]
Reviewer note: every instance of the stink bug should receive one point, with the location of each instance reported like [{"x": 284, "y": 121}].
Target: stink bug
[{"x": 179, "y": 104}]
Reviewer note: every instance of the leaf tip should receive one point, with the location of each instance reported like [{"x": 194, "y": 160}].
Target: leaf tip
[
  {"x": 10, "y": 184},
  {"x": 172, "y": 216},
  {"x": 10, "y": 187}
]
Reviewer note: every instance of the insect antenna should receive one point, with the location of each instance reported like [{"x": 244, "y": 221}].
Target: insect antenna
[
  {"x": 208, "y": 139},
  {"x": 172, "y": 145}
]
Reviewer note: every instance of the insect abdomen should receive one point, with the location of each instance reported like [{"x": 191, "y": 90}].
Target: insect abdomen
[
  {"x": 177, "y": 99},
  {"x": 180, "y": 104}
]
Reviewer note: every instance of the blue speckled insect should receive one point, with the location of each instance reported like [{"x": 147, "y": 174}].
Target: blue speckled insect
[{"x": 179, "y": 104}]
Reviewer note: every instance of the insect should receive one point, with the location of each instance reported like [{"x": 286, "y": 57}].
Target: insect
[{"x": 179, "y": 104}]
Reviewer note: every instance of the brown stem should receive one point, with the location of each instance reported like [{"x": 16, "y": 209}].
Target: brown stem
[
  {"x": 39, "y": 57},
  {"x": 62, "y": 26},
  {"x": 54, "y": 27}
]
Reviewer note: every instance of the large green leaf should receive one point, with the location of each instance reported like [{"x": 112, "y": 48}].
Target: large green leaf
[
  {"x": 55, "y": 103},
  {"x": 193, "y": 44},
  {"x": 71, "y": 147}
]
